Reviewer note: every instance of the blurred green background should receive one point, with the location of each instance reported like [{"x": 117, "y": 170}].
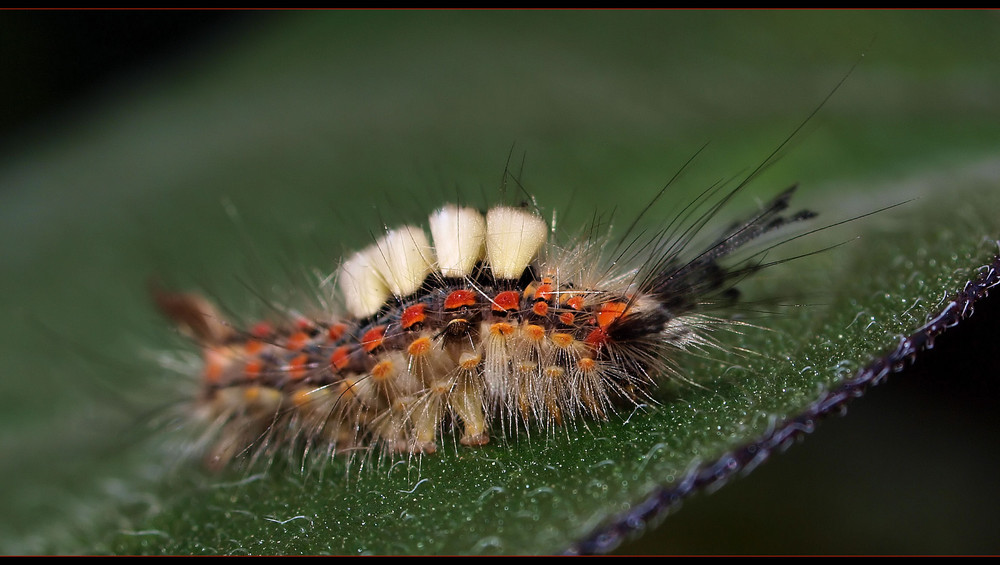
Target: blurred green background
[{"x": 123, "y": 135}]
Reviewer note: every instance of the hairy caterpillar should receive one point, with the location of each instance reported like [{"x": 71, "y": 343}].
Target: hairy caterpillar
[{"x": 488, "y": 328}]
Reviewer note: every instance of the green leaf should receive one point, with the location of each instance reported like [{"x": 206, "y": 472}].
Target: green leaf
[{"x": 319, "y": 128}]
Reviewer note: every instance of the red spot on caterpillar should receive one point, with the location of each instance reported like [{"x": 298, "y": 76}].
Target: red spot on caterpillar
[
  {"x": 544, "y": 291},
  {"x": 297, "y": 366},
  {"x": 341, "y": 357},
  {"x": 597, "y": 338},
  {"x": 540, "y": 308},
  {"x": 253, "y": 369},
  {"x": 297, "y": 341},
  {"x": 506, "y": 301},
  {"x": 372, "y": 338},
  {"x": 336, "y": 331},
  {"x": 459, "y": 298},
  {"x": 610, "y": 312},
  {"x": 567, "y": 318},
  {"x": 261, "y": 330},
  {"x": 412, "y": 315}
]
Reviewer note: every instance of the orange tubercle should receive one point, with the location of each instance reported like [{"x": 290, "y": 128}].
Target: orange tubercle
[
  {"x": 610, "y": 312},
  {"x": 459, "y": 298},
  {"x": 506, "y": 301},
  {"x": 297, "y": 341},
  {"x": 412, "y": 315},
  {"x": 372, "y": 338},
  {"x": 341, "y": 357},
  {"x": 597, "y": 338},
  {"x": 540, "y": 308},
  {"x": 261, "y": 330},
  {"x": 297, "y": 367},
  {"x": 562, "y": 340},
  {"x": 336, "y": 331},
  {"x": 253, "y": 369},
  {"x": 534, "y": 332},
  {"x": 420, "y": 346},
  {"x": 383, "y": 370},
  {"x": 253, "y": 347},
  {"x": 544, "y": 291},
  {"x": 501, "y": 329}
]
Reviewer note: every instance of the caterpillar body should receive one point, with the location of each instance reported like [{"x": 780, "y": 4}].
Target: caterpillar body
[{"x": 487, "y": 329}]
